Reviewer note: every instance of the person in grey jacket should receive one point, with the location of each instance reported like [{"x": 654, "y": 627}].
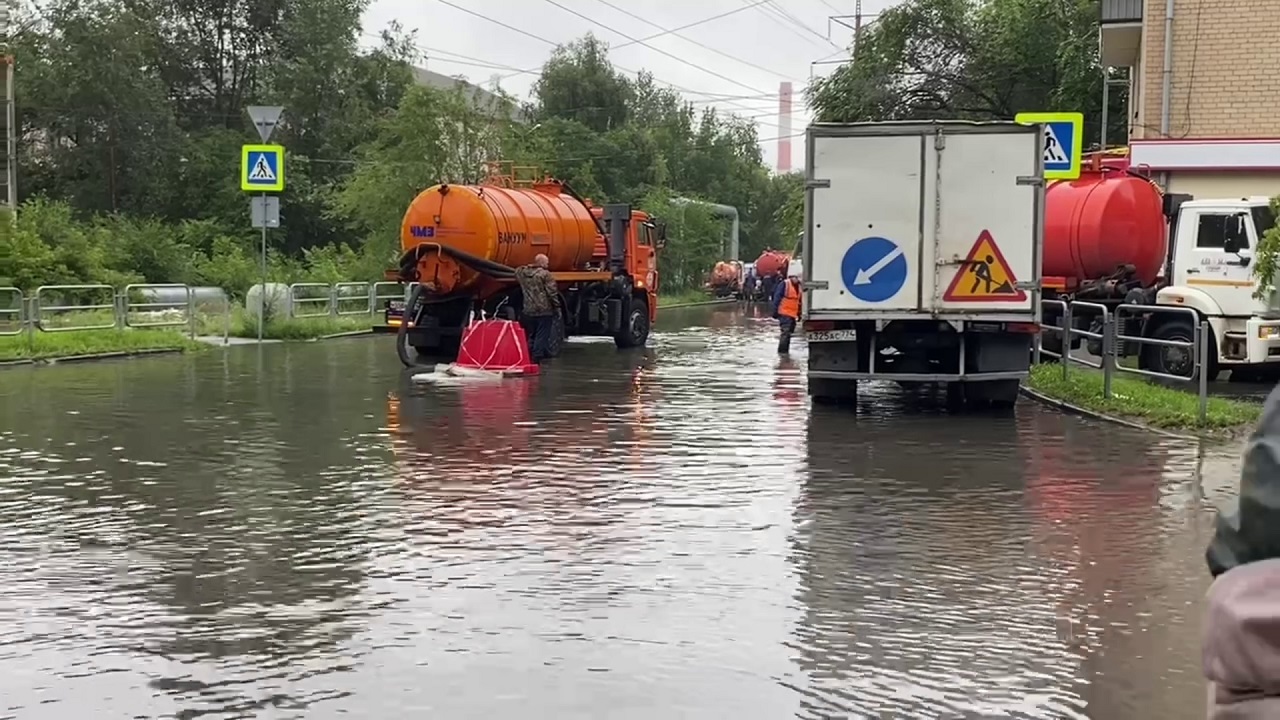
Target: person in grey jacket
[{"x": 1240, "y": 652}]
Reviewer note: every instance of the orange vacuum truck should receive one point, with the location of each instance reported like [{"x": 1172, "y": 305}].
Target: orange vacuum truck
[{"x": 461, "y": 245}]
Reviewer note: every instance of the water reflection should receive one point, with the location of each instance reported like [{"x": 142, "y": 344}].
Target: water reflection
[{"x": 302, "y": 530}]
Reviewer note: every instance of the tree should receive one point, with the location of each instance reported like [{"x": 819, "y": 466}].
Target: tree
[
  {"x": 579, "y": 83},
  {"x": 973, "y": 59},
  {"x": 434, "y": 136}
]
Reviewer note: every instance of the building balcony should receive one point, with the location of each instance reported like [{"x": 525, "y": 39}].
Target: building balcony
[
  {"x": 1120, "y": 32},
  {"x": 1121, "y": 11}
]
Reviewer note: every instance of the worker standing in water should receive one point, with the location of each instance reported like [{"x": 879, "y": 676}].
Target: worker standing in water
[
  {"x": 786, "y": 308},
  {"x": 541, "y": 303}
]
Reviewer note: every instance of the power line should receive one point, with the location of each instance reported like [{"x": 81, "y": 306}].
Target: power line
[
  {"x": 773, "y": 5},
  {"x": 555, "y": 44},
  {"x": 691, "y": 40},
  {"x": 726, "y": 78},
  {"x": 473, "y": 61},
  {"x": 695, "y": 23},
  {"x": 775, "y": 13}
]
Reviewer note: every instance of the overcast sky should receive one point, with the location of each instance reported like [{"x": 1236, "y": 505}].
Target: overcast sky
[{"x": 734, "y": 62}]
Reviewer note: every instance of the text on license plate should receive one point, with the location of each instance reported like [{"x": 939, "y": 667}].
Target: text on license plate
[{"x": 829, "y": 335}]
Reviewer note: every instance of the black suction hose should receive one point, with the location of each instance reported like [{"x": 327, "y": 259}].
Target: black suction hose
[
  {"x": 402, "y": 336},
  {"x": 574, "y": 194},
  {"x": 487, "y": 267}
]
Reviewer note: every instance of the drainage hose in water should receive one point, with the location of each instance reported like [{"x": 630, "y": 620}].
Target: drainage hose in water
[{"x": 403, "y": 351}]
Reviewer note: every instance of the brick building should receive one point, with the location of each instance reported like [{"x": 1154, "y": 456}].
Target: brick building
[{"x": 1208, "y": 112}]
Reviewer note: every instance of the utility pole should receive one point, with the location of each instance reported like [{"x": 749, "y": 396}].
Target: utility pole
[
  {"x": 857, "y": 18},
  {"x": 9, "y": 194}
]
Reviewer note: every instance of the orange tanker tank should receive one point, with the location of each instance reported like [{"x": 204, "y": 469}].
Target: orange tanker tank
[
  {"x": 462, "y": 244},
  {"x": 502, "y": 225}
]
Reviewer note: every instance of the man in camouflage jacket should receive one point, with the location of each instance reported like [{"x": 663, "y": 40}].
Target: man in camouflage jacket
[{"x": 541, "y": 304}]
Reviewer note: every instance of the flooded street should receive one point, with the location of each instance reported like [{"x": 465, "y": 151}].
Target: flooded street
[{"x": 300, "y": 531}]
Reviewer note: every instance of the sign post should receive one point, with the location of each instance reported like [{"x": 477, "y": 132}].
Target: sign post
[{"x": 262, "y": 171}]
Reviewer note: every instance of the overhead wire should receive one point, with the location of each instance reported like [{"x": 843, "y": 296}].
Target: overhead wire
[
  {"x": 500, "y": 23},
  {"x": 472, "y": 61},
  {"x": 658, "y": 50},
  {"x": 773, "y": 5},
  {"x": 749, "y": 5},
  {"x": 702, "y": 45}
]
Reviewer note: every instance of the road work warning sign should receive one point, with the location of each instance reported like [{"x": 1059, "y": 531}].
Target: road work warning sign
[{"x": 984, "y": 276}]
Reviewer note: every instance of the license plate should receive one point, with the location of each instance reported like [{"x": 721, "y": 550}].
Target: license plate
[
  {"x": 830, "y": 335},
  {"x": 395, "y": 306}
]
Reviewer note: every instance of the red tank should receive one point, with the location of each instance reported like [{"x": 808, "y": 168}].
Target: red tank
[
  {"x": 1101, "y": 221},
  {"x": 772, "y": 261}
]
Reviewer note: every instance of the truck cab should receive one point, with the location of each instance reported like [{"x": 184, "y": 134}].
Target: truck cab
[{"x": 1215, "y": 242}]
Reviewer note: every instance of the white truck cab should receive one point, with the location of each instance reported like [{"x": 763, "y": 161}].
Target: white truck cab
[{"x": 1214, "y": 250}]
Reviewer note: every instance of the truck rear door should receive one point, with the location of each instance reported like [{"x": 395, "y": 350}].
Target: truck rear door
[{"x": 932, "y": 219}]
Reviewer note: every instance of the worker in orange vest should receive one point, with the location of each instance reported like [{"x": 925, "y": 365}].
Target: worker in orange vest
[{"x": 786, "y": 308}]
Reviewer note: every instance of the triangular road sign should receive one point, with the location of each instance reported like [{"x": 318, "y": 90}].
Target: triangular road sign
[
  {"x": 265, "y": 118},
  {"x": 1054, "y": 153},
  {"x": 262, "y": 170},
  {"x": 984, "y": 276}
]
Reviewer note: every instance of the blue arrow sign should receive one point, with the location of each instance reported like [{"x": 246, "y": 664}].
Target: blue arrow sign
[{"x": 874, "y": 269}]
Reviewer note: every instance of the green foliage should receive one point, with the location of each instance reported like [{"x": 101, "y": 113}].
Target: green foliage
[
  {"x": 1137, "y": 399},
  {"x": 1266, "y": 257},
  {"x": 132, "y": 114},
  {"x": 42, "y": 345},
  {"x": 973, "y": 59}
]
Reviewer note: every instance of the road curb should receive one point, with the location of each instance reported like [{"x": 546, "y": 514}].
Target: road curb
[
  {"x": 348, "y": 333},
  {"x": 91, "y": 357},
  {"x": 1085, "y": 412},
  {"x": 697, "y": 304}
]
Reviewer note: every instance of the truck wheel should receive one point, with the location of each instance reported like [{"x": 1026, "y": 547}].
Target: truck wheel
[
  {"x": 1175, "y": 361},
  {"x": 635, "y": 332},
  {"x": 826, "y": 391}
]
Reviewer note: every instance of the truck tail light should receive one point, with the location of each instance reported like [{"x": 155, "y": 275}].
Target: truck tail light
[
  {"x": 818, "y": 325},
  {"x": 1028, "y": 328}
]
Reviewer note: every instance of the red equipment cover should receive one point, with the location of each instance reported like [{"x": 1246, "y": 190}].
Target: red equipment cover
[{"x": 496, "y": 345}]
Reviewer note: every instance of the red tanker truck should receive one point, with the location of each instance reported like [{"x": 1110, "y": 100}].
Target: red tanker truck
[
  {"x": 1113, "y": 237},
  {"x": 770, "y": 266},
  {"x": 725, "y": 279}
]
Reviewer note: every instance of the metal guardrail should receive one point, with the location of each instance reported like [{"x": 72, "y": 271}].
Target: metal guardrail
[
  {"x": 13, "y": 312},
  {"x": 130, "y": 309},
  {"x": 344, "y": 299},
  {"x": 91, "y": 310},
  {"x": 1112, "y": 340},
  {"x": 84, "y": 307},
  {"x": 303, "y": 297},
  {"x": 378, "y": 295}
]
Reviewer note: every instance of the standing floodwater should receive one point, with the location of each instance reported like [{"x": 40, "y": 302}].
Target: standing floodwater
[{"x": 300, "y": 531}]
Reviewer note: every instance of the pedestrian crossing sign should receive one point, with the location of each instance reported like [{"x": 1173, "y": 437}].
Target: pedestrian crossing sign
[
  {"x": 262, "y": 168},
  {"x": 984, "y": 276},
  {"x": 1063, "y": 138}
]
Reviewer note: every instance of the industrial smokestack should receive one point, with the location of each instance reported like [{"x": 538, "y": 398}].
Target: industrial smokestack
[{"x": 784, "y": 127}]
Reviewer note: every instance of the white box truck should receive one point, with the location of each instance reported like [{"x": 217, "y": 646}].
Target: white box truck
[{"x": 922, "y": 256}]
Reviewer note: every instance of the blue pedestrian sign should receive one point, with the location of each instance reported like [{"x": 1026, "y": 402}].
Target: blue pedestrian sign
[
  {"x": 874, "y": 269},
  {"x": 1063, "y": 138},
  {"x": 262, "y": 168}
]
